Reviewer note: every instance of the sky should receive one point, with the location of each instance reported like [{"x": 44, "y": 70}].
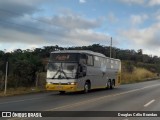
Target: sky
[{"x": 29, "y": 24}]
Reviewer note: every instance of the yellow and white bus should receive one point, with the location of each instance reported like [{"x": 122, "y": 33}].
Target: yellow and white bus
[{"x": 81, "y": 70}]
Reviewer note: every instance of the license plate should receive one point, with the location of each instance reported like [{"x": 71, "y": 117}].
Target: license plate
[{"x": 59, "y": 87}]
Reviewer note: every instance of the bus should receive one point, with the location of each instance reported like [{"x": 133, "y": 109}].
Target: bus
[{"x": 81, "y": 70}]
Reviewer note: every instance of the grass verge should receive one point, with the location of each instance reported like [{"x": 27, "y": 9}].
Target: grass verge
[
  {"x": 21, "y": 90},
  {"x": 137, "y": 75}
]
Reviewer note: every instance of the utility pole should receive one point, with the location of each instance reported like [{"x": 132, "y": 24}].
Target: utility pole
[
  {"x": 5, "y": 89},
  {"x": 111, "y": 48}
]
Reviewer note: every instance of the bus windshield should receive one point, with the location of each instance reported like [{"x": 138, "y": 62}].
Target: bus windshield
[{"x": 62, "y": 70}]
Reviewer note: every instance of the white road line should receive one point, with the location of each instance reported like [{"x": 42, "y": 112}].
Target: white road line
[
  {"x": 97, "y": 99},
  {"x": 149, "y": 103},
  {"x": 20, "y": 100}
]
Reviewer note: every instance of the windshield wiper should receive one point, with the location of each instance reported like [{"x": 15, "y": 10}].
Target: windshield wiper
[{"x": 61, "y": 71}]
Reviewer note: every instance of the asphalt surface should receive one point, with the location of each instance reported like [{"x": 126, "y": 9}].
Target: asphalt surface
[{"x": 144, "y": 96}]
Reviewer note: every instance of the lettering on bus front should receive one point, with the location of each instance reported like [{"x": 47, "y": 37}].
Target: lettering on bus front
[
  {"x": 62, "y": 57},
  {"x": 65, "y": 57}
]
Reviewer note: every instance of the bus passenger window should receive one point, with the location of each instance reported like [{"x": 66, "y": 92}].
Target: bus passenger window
[
  {"x": 90, "y": 60},
  {"x": 83, "y": 59}
]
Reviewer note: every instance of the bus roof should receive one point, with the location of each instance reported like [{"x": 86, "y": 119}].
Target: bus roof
[{"x": 83, "y": 51}]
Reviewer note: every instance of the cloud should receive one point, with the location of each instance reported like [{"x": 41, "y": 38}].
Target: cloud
[
  {"x": 150, "y": 3},
  {"x": 15, "y": 8},
  {"x": 60, "y": 27},
  {"x": 82, "y": 1},
  {"x": 156, "y": 15},
  {"x": 153, "y": 2},
  {"x": 79, "y": 37},
  {"x": 146, "y": 38},
  {"x": 18, "y": 15},
  {"x": 73, "y": 22},
  {"x": 13, "y": 36},
  {"x": 19, "y": 27},
  {"x": 130, "y": 2},
  {"x": 76, "y": 30},
  {"x": 138, "y": 19},
  {"x": 112, "y": 18}
]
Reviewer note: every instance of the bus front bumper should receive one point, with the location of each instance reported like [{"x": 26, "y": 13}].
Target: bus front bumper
[{"x": 54, "y": 87}]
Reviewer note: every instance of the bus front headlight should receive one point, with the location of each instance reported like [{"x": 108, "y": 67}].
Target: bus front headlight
[
  {"x": 72, "y": 83},
  {"x": 48, "y": 83}
]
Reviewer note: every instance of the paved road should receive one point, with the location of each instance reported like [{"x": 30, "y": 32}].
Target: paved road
[{"x": 143, "y": 96}]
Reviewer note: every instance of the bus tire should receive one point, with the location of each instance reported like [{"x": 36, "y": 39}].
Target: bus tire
[
  {"x": 111, "y": 84},
  {"x": 86, "y": 87},
  {"x": 62, "y": 92}
]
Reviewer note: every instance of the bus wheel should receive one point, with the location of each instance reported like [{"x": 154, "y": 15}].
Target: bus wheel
[
  {"x": 62, "y": 92},
  {"x": 86, "y": 87},
  {"x": 111, "y": 84}
]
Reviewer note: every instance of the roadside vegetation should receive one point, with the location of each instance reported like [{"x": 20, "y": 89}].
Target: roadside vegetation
[
  {"x": 138, "y": 75},
  {"x": 133, "y": 72},
  {"x": 27, "y": 68},
  {"x": 21, "y": 90}
]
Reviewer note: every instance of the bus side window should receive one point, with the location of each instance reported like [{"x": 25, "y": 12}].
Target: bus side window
[
  {"x": 90, "y": 60},
  {"x": 96, "y": 61},
  {"x": 83, "y": 59}
]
